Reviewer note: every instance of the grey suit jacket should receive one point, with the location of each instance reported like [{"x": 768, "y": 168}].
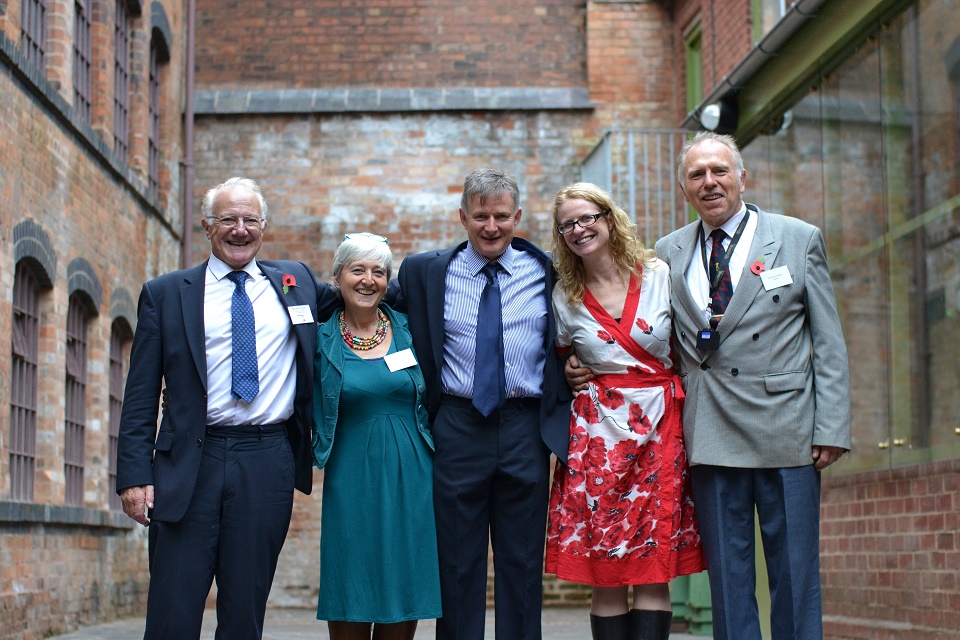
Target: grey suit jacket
[{"x": 779, "y": 381}]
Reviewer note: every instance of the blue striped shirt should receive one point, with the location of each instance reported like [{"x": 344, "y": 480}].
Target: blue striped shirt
[{"x": 524, "y": 311}]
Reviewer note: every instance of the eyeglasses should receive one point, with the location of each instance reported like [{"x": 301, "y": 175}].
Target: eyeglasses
[
  {"x": 583, "y": 221},
  {"x": 232, "y": 221},
  {"x": 363, "y": 235}
]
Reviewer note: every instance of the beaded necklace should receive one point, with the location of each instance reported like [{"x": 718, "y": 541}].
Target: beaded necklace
[{"x": 365, "y": 344}]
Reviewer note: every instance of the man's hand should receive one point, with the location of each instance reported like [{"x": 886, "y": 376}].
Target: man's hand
[
  {"x": 136, "y": 501},
  {"x": 824, "y": 456},
  {"x": 577, "y": 376}
]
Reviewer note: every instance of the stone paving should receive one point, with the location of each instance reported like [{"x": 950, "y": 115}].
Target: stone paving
[{"x": 301, "y": 624}]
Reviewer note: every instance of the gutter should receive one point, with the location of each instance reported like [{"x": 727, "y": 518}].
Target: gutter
[
  {"x": 186, "y": 240},
  {"x": 800, "y": 13}
]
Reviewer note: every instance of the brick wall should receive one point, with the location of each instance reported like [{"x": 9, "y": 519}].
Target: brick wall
[
  {"x": 66, "y": 566},
  {"x": 439, "y": 43},
  {"x": 633, "y": 78},
  {"x": 890, "y": 554}
]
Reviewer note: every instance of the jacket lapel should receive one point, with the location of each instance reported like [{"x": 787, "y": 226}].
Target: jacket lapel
[
  {"x": 191, "y": 302},
  {"x": 436, "y": 278},
  {"x": 293, "y": 297},
  {"x": 681, "y": 253}
]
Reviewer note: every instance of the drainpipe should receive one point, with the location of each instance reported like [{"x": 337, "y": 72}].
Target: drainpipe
[{"x": 187, "y": 240}]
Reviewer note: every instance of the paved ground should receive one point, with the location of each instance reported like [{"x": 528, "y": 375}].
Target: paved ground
[{"x": 301, "y": 624}]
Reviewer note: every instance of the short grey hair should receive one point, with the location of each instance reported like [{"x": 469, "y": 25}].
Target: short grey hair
[
  {"x": 363, "y": 246},
  {"x": 723, "y": 139},
  {"x": 487, "y": 183},
  {"x": 206, "y": 206}
]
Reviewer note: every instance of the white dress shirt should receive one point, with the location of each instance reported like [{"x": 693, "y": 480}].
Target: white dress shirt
[
  {"x": 276, "y": 350},
  {"x": 697, "y": 279}
]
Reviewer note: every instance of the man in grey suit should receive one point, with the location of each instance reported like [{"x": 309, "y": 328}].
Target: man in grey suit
[
  {"x": 768, "y": 394},
  {"x": 765, "y": 372}
]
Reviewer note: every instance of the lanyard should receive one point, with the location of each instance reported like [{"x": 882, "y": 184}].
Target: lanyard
[{"x": 724, "y": 263}]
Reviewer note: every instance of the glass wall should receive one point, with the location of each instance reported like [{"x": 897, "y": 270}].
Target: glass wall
[{"x": 872, "y": 156}]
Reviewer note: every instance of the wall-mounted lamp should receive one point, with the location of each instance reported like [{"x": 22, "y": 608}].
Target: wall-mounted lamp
[{"x": 720, "y": 117}]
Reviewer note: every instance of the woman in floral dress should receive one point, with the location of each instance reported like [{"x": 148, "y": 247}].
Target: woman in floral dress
[{"x": 621, "y": 513}]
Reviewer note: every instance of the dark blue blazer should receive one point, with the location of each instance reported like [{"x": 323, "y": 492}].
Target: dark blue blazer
[
  {"x": 168, "y": 348},
  {"x": 421, "y": 296}
]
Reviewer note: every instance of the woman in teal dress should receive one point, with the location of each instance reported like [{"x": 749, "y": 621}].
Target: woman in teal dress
[{"x": 378, "y": 543}]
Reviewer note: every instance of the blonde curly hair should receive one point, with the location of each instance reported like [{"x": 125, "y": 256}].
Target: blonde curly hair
[{"x": 629, "y": 254}]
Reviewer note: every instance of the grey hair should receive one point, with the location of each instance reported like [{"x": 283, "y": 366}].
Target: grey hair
[
  {"x": 363, "y": 246},
  {"x": 206, "y": 206},
  {"x": 723, "y": 139},
  {"x": 487, "y": 183}
]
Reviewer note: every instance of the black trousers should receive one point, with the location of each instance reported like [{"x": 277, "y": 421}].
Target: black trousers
[
  {"x": 233, "y": 531},
  {"x": 491, "y": 485}
]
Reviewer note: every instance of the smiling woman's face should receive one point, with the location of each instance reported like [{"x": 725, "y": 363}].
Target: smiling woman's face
[{"x": 363, "y": 283}]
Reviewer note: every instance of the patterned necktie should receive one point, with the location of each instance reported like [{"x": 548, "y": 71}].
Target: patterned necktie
[
  {"x": 489, "y": 377},
  {"x": 721, "y": 298},
  {"x": 246, "y": 377}
]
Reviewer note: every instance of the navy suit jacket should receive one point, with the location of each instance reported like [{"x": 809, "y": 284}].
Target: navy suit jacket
[
  {"x": 168, "y": 348},
  {"x": 422, "y": 280}
]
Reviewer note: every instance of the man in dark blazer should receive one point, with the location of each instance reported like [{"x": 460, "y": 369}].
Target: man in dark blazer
[
  {"x": 233, "y": 341},
  {"x": 767, "y": 385},
  {"x": 491, "y": 470}
]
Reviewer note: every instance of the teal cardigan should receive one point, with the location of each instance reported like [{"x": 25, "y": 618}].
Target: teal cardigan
[{"x": 328, "y": 382}]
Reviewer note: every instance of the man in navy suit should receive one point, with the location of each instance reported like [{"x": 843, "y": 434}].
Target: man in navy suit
[
  {"x": 491, "y": 470},
  {"x": 233, "y": 340}
]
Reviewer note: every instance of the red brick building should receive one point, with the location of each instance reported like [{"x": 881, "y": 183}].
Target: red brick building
[{"x": 91, "y": 97}]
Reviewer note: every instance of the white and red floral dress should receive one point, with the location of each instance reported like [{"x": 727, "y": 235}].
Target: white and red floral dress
[{"x": 621, "y": 512}]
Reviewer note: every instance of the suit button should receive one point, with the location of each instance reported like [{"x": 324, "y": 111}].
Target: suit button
[
  {"x": 704, "y": 366},
  {"x": 776, "y": 298},
  {"x": 735, "y": 371},
  {"x": 199, "y": 442},
  {"x": 756, "y": 336},
  {"x": 683, "y": 334}
]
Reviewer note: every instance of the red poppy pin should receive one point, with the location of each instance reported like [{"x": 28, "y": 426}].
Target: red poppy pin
[
  {"x": 758, "y": 267},
  {"x": 288, "y": 281}
]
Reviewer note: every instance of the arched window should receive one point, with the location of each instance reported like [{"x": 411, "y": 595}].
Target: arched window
[
  {"x": 120, "y": 338},
  {"x": 75, "y": 416},
  {"x": 23, "y": 383}
]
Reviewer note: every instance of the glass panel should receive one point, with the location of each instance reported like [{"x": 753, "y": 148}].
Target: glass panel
[{"x": 873, "y": 158}]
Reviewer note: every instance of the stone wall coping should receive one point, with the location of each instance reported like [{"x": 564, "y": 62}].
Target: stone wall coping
[
  {"x": 219, "y": 102},
  {"x": 51, "y": 514}
]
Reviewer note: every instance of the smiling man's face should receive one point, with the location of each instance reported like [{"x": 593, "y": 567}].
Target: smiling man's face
[
  {"x": 238, "y": 244},
  {"x": 711, "y": 183}
]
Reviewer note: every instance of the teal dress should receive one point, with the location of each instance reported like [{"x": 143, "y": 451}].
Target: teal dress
[{"x": 378, "y": 545}]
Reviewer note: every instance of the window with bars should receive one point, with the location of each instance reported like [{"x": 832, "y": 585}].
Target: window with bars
[
  {"x": 76, "y": 399},
  {"x": 153, "y": 150},
  {"x": 121, "y": 81},
  {"x": 33, "y": 31},
  {"x": 23, "y": 383},
  {"x": 82, "y": 83},
  {"x": 119, "y": 338}
]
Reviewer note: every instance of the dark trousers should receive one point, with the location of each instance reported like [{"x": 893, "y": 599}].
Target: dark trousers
[
  {"x": 233, "y": 531},
  {"x": 787, "y": 503},
  {"x": 491, "y": 483}
]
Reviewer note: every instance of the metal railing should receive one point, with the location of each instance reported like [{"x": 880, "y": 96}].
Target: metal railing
[{"x": 638, "y": 167}]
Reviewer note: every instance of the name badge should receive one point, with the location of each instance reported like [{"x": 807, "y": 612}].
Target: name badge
[
  {"x": 400, "y": 360},
  {"x": 300, "y": 314},
  {"x": 774, "y": 278}
]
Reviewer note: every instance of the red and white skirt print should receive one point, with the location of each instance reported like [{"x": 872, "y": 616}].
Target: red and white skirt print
[{"x": 621, "y": 512}]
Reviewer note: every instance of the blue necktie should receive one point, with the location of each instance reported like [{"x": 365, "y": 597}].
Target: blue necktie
[
  {"x": 246, "y": 377},
  {"x": 721, "y": 298},
  {"x": 489, "y": 377}
]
